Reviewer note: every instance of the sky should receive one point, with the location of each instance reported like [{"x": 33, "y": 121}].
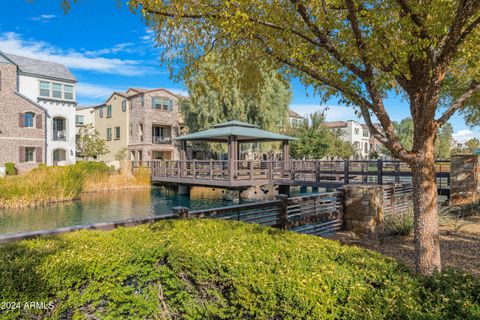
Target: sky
[{"x": 108, "y": 48}]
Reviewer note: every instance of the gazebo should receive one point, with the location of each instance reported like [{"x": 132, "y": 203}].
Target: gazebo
[{"x": 234, "y": 133}]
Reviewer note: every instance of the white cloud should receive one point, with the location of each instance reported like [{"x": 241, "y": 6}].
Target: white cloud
[
  {"x": 92, "y": 91},
  {"x": 121, "y": 47},
  {"x": 465, "y": 135},
  {"x": 45, "y": 18},
  {"x": 333, "y": 113},
  {"x": 178, "y": 91},
  {"x": 12, "y": 42}
]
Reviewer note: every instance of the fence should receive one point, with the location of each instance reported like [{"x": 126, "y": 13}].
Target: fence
[
  {"x": 397, "y": 198},
  {"x": 319, "y": 214}
]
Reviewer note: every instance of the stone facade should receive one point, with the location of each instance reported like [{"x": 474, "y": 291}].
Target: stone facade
[
  {"x": 464, "y": 179},
  {"x": 143, "y": 116},
  {"x": 16, "y": 139},
  {"x": 364, "y": 209}
]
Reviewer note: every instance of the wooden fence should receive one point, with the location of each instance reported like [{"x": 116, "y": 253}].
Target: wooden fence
[
  {"x": 320, "y": 214},
  {"x": 397, "y": 198}
]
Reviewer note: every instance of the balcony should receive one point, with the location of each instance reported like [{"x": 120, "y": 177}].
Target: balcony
[
  {"x": 59, "y": 135},
  {"x": 161, "y": 140}
]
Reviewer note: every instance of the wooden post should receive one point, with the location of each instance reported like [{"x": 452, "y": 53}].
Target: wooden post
[
  {"x": 230, "y": 158},
  {"x": 346, "y": 167},
  {"x": 211, "y": 169},
  {"x": 283, "y": 211},
  {"x": 251, "y": 169},
  {"x": 194, "y": 169},
  {"x": 183, "y": 157},
  {"x": 380, "y": 171},
  {"x": 392, "y": 203},
  {"x": 317, "y": 171},
  {"x": 180, "y": 212},
  {"x": 397, "y": 172},
  {"x": 286, "y": 156}
]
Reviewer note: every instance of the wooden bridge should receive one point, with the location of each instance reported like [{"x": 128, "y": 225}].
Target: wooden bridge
[{"x": 314, "y": 173}]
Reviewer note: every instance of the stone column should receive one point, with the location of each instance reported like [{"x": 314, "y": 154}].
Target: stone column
[
  {"x": 464, "y": 179},
  {"x": 364, "y": 209}
]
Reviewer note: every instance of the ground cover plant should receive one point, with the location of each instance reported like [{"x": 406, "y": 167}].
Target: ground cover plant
[{"x": 210, "y": 269}]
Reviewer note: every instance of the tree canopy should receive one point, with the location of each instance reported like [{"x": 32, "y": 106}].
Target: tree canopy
[
  {"x": 89, "y": 144},
  {"x": 356, "y": 50}
]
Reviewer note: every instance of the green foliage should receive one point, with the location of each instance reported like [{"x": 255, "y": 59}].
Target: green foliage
[
  {"x": 216, "y": 96},
  {"x": 400, "y": 223},
  {"x": 121, "y": 154},
  {"x": 210, "y": 269},
  {"x": 317, "y": 141},
  {"x": 472, "y": 145},
  {"x": 89, "y": 144},
  {"x": 10, "y": 169}
]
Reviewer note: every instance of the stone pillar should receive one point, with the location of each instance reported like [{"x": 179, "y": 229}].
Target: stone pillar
[
  {"x": 233, "y": 195},
  {"x": 464, "y": 179},
  {"x": 364, "y": 209}
]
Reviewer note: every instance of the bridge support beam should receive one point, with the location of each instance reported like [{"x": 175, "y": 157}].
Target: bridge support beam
[{"x": 183, "y": 190}]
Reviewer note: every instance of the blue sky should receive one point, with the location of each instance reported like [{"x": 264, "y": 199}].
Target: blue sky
[{"x": 108, "y": 48}]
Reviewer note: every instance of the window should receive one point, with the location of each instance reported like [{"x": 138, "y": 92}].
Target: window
[
  {"x": 29, "y": 154},
  {"x": 44, "y": 89},
  {"x": 357, "y": 130},
  {"x": 131, "y": 129},
  {"x": 57, "y": 90},
  {"x": 100, "y": 112},
  {"x": 365, "y": 133},
  {"x": 109, "y": 134},
  {"x": 68, "y": 92},
  {"x": 143, "y": 100},
  {"x": 28, "y": 119},
  {"x": 162, "y": 103},
  {"x": 140, "y": 132},
  {"x": 124, "y": 105},
  {"x": 109, "y": 111},
  {"x": 79, "y": 120},
  {"x": 117, "y": 133}
]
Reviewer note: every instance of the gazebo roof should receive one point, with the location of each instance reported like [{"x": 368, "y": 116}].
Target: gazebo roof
[{"x": 244, "y": 131}]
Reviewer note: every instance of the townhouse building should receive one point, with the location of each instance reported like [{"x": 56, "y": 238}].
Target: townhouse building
[
  {"x": 52, "y": 87},
  {"x": 358, "y": 135},
  {"x": 22, "y": 123},
  {"x": 143, "y": 122},
  {"x": 294, "y": 118}
]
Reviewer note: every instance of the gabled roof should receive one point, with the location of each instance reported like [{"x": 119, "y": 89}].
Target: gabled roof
[
  {"x": 293, "y": 114},
  {"x": 243, "y": 131},
  {"x": 336, "y": 124},
  {"x": 40, "y": 67}
]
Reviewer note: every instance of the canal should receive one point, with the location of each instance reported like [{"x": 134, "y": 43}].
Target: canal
[{"x": 105, "y": 207}]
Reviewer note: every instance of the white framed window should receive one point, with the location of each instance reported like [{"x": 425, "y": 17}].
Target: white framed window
[
  {"x": 44, "y": 89},
  {"x": 109, "y": 134},
  {"x": 56, "y": 90},
  {"x": 117, "y": 133},
  {"x": 124, "y": 105},
  {"x": 79, "y": 120},
  {"x": 67, "y": 92},
  {"x": 29, "y": 154}
]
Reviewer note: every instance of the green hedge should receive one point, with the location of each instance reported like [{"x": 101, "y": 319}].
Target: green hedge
[{"x": 203, "y": 269}]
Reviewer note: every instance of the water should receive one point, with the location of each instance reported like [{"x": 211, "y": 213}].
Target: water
[{"x": 107, "y": 207}]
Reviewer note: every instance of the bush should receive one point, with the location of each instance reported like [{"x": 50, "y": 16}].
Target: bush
[
  {"x": 206, "y": 269},
  {"x": 10, "y": 169},
  {"x": 400, "y": 223}
]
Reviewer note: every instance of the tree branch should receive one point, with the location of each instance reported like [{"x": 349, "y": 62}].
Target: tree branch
[{"x": 459, "y": 103}]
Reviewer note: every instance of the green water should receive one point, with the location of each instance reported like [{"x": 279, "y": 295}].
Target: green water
[{"x": 105, "y": 207}]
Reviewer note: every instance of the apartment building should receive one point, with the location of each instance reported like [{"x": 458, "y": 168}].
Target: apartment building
[
  {"x": 142, "y": 121},
  {"x": 294, "y": 118},
  {"x": 22, "y": 123},
  {"x": 52, "y": 87},
  {"x": 358, "y": 135}
]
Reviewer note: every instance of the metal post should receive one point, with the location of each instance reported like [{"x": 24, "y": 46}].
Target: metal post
[
  {"x": 397, "y": 172},
  {"x": 211, "y": 169},
  {"x": 346, "y": 178},
  {"x": 380, "y": 171},
  {"x": 283, "y": 211}
]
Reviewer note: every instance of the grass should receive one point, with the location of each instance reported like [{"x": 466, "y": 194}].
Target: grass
[
  {"x": 399, "y": 223},
  {"x": 206, "y": 269},
  {"x": 55, "y": 184}
]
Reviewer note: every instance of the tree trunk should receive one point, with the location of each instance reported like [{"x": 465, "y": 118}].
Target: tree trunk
[{"x": 427, "y": 244}]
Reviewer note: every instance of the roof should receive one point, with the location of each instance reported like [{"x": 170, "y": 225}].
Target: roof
[
  {"x": 293, "y": 114},
  {"x": 336, "y": 124},
  {"x": 243, "y": 131},
  {"x": 40, "y": 67}
]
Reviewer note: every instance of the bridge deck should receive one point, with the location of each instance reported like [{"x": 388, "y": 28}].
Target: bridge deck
[{"x": 314, "y": 173}]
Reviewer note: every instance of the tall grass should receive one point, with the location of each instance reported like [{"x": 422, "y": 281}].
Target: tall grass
[{"x": 54, "y": 184}]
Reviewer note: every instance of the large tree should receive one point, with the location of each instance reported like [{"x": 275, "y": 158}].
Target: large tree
[
  {"x": 217, "y": 95},
  {"x": 360, "y": 51},
  {"x": 89, "y": 144}
]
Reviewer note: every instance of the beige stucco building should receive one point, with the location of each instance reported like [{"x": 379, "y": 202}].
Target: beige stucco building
[{"x": 141, "y": 122}]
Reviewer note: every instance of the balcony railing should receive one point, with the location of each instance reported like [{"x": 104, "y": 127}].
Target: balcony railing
[
  {"x": 161, "y": 140},
  {"x": 59, "y": 135}
]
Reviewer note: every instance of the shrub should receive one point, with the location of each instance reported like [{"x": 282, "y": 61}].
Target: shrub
[
  {"x": 206, "y": 269},
  {"x": 400, "y": 223},
  {"x": 10, "y": 169}
]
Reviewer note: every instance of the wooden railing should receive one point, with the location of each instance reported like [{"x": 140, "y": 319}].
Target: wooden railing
[
  {"x": 306, "y": 171},
  {"x": 319, "y": 214}
]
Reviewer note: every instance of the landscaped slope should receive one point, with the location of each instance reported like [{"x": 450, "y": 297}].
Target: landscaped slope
[{"x": 204, "y": 269}]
